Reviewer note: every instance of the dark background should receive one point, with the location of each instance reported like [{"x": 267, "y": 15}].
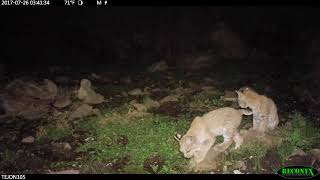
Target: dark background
[
  {"x": 125, "y": 38},
  {"x": 42, "y": 36}
]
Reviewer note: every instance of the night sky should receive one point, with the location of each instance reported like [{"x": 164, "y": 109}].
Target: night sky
[{"x": 94, "y": 35}]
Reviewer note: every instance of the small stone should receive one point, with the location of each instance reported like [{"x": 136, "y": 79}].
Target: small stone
[
  {"x": 135, "y": 92},
  {"x": 62, "y": 146},
  {"x": 28, "y": 140},
  {"x": 95, "y": 76},
  {"x": 170, "y": 98},
  {"x": 298, "y": 152},
  {"x": 156, "y": 90},
  {"x": 237, "y": 172}
]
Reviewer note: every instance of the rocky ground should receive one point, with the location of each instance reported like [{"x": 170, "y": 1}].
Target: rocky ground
[{"x": 108, "y": 122}]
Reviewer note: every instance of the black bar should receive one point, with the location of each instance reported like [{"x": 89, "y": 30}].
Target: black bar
[
  {"x": 112, "y": 3},
  {"x": 153, "y": 176}
]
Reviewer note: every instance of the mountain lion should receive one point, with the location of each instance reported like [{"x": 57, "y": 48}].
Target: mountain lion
[
  {"x": 264, "y": 110},
  {"x": 203, "y": 131}
]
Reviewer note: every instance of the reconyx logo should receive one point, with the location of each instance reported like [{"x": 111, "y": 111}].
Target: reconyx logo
[{"x": 298, "y": 172}]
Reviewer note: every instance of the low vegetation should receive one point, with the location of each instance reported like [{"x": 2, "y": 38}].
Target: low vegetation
[{"x": 125, "y": 140}]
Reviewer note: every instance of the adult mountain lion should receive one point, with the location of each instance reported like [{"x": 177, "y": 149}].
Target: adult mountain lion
[{"x": 203, "y": 131}]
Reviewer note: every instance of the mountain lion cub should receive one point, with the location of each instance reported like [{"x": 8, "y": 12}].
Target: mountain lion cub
[
  {"x": 203, "y": 132},
  {"x": 264, "y": 110}
]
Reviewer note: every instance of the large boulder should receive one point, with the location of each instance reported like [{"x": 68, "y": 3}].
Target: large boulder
[
  {"x": 28, "y": 99},
  {"x": 87, "y": 94},
  {"x": 45, "y": 90}
]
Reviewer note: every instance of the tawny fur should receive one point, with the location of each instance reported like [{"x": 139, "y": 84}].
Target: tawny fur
[
  {"x": 264, "y": 110},
  {"x": 203, "y": 131}
]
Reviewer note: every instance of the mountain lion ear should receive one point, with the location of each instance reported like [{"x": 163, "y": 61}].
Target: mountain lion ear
[{"x": 177, "y": 137}]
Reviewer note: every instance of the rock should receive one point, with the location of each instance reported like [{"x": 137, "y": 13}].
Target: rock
[
  {"x": 267, "y": 139},
  {"x": 153, "y": 164},
  {"x": 58, "y": 151},
  {"x": 135, "y": 92},
  {"x": 237, "y": 172},
  {"x": 47, "y": 91},
  {"x": 124, "y": 94},
  {"x": 51, "y": 88},
  {"x": 147, "y": 91},
  {"x": 133, "y": 102},
  {"x": 170, "y": 98},
  {"x": 35, "y": 113},
  {"x": 298, "y": 152},
  {"x": 159, "y": 66},
  {"x": 71, "y": 171},
  {"x": 83, "y": 111},
  {"x": 149, "y": 103},
  {"x": 61, "y": 146},
  {"x": 95, "y": 76},
  {"x": 28, "y": 140},
  {"x": 44, "y": 91},
  {"x": 56, "y": 113},
  {"x": 288, "y": 125},
  {"x": 315, "y": 153},
  {"x": 140, "y": 107},
  {"x": 87, "y": 94},
  {"x": 62, "y": 102},
  {"x": 156, "y": 90},
  {"x": 24, "y": 106}
]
